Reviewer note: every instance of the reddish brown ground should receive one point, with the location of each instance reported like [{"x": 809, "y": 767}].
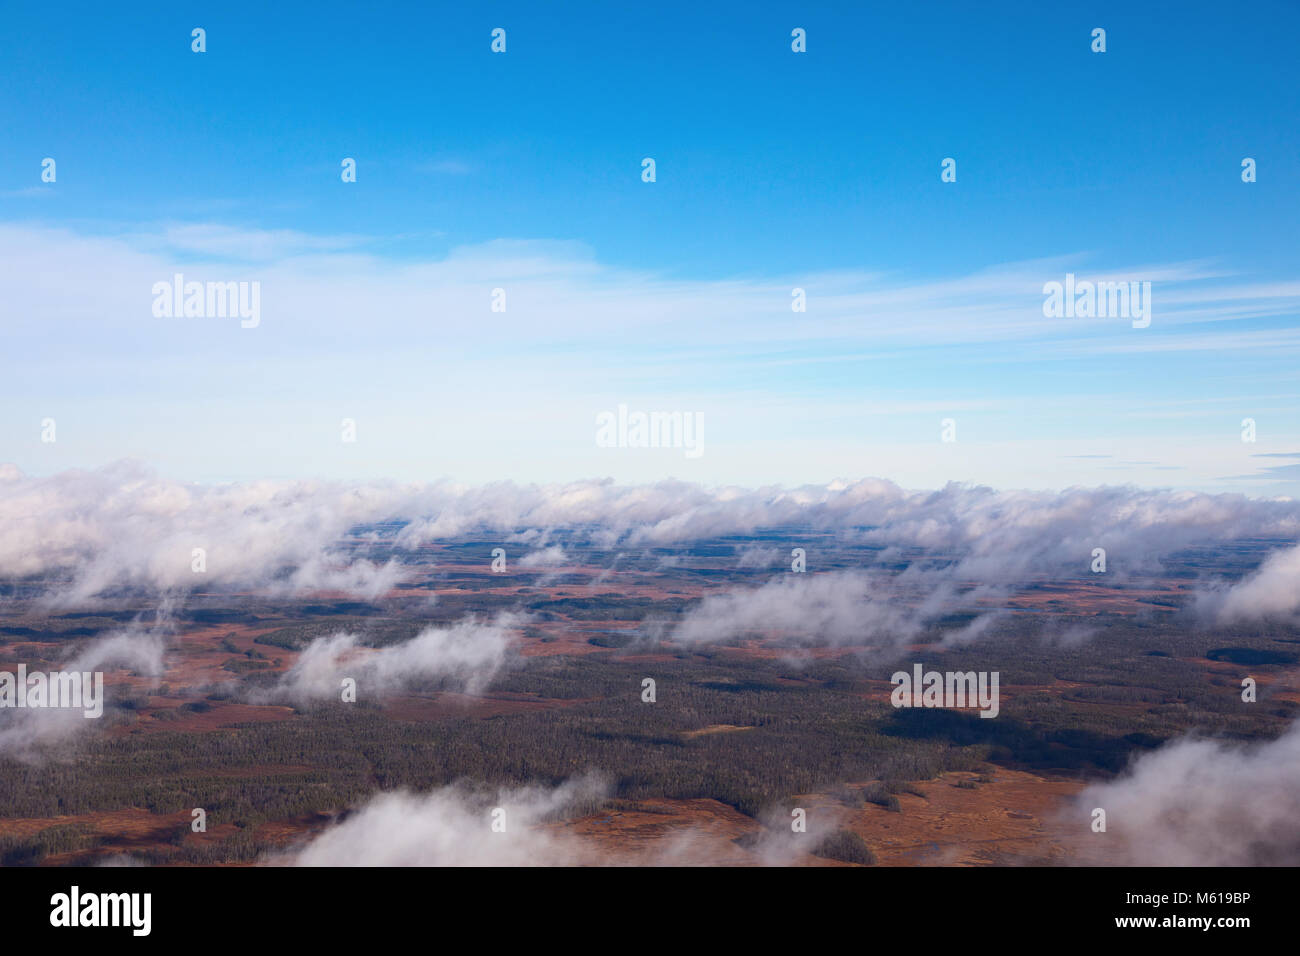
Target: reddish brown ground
[{"x": 1016, "y": 818}]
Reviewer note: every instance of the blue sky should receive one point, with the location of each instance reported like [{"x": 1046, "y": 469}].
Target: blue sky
[{"x": 774, "y": 169}]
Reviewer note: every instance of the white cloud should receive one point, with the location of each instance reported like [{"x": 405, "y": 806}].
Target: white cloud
[
  {"x": 1203, "y": 803},
  {"x": 125, "y": 526},
  {"x": 1272, "y": 591},
  {"x": 32, "y": 734},
  {"x": 468, "y": 653},
  {"x": 453, "y": 827},
  {"x": 833, "y": 608},
  {"x": 551, "y": 557},
  {"x": 403, "y": 342}
]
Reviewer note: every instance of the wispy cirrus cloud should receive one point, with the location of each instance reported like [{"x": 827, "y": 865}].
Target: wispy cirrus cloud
[{"x": 864, "y": 375}]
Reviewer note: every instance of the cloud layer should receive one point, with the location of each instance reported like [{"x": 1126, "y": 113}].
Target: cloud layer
[{"x": 87, "y": 532}]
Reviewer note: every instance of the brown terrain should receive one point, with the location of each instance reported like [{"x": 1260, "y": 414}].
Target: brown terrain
[{"x": 995, "y": 816}]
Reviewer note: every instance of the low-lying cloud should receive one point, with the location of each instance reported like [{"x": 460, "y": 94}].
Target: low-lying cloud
[
  {"x": 85, "y": 533},
  {"x": 1203, "y": 803},
  {"x": 1272, "y": 591},
  {"x": 33, "y": 733},
  {"x": 466, "y": 655},
  {"x": 835, "y": 608},
  {"x": 454, "y": 826}
]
